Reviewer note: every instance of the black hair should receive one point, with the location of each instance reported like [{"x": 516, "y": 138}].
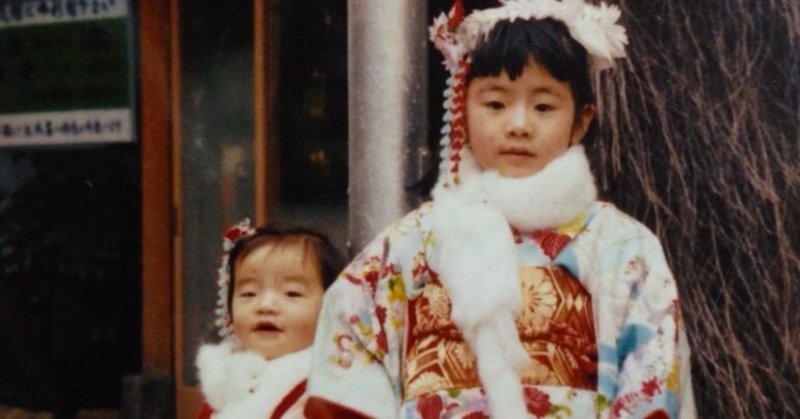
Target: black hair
[
  {"x": 511, "y": 45},
  {"x": 330, "y": 260}
]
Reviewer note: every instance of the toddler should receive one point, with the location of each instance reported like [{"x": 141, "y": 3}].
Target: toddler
[{"x": 271, "y": 284}]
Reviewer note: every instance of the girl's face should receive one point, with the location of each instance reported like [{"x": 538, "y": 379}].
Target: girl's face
[
  {"x": 518, "y": 126},
  {"x": 277, "y": 299}
]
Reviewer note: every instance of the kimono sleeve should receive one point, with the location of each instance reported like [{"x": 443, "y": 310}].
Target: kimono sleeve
[
  {"x": 652, "y": 350},
  {"x": 357, "y": 348}
]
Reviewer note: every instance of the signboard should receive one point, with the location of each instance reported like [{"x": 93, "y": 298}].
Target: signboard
[{"x": 66, "y": 72}]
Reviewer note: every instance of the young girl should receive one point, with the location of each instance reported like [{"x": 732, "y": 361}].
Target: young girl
[
  {"x": 271, "y": 284},
  {"x": 515, "y": 293}
]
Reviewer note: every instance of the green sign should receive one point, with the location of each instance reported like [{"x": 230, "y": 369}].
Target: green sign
[{"x": 66, "y": 72}]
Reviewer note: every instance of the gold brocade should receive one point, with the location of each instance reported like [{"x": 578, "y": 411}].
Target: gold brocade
[{"x": 556, "y": 328}]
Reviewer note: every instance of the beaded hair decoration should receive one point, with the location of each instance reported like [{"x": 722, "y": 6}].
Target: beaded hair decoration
[
  {"x": 456, "y": 36},
  {"x": 223, "y": 319}
]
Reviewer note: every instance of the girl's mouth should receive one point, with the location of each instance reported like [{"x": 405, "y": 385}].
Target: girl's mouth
[
  {"x": 516, "y": 152},
  {"x": 517, "y": 157}
]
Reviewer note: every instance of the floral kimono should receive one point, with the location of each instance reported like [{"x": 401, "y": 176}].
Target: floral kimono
[{"x": 405, "y": 332}]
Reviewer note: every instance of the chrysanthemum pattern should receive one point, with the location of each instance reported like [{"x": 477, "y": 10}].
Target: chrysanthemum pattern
[{"x": 555, "y": 327}]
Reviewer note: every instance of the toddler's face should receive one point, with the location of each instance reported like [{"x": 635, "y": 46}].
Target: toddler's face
[
  {"x": 276, "y": 300},
  {"x": 518, "y": 126}
]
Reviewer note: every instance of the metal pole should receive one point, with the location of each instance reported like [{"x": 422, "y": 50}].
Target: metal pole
[{"x": 388, "y": 85}]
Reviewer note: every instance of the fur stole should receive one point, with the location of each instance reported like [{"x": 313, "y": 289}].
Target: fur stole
[
  {"x": 242, "y": 384},
  {"x": 478, "y": 264}
]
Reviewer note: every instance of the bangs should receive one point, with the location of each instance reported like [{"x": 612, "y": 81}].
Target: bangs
[
  {"x": 509, "y": 46},
  {"x": 290, "y": 249}
]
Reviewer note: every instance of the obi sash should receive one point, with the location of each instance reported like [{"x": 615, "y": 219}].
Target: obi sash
[{"x": 556, "y": 328}]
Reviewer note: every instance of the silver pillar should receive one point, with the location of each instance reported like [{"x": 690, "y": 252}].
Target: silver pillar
[{"x": 388, "y": 87}]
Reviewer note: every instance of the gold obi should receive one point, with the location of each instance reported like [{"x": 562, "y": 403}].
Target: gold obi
[{"x": 556, "y": 328}]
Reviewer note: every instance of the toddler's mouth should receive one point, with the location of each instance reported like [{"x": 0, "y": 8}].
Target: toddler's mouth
[{"x": 266, "y": 327}]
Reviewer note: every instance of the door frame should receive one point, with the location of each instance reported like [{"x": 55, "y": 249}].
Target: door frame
[{"x": 162, "y": 218}]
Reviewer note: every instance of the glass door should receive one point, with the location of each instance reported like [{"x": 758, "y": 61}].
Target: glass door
[
  {"x": 260, "y": 131},
  {"x": 214, "y": 179}
]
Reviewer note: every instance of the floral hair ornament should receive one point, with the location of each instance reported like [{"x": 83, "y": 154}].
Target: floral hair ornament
[
  {"x": 594, "y": 27},
  {"x": 223, "y": 319},
  {"x": 456, "y": 36}
]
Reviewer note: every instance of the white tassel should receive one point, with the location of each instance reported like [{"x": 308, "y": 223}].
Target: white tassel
[
  {"x": 477, "y": 263},
  {"x": 499, "y": 377}
]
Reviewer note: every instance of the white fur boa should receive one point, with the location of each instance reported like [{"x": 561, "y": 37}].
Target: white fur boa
[
  {"x": 478, "y": 263},
  {"x": 242, "y": 384}
]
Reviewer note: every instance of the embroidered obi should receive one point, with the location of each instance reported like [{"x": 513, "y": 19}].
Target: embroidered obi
[{"x": 556, "y": 328}]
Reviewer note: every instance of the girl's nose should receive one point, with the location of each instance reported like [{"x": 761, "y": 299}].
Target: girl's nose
[{"x": 518, "y": 122}]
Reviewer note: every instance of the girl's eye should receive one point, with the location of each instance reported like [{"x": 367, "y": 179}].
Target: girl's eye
[
  {"x": 293, "y": 294},
  {"x": 247, "y": 294},
  {"x": 543, "y": 107}
]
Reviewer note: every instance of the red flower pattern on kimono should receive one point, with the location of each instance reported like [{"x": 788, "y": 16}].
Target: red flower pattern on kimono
[
  {"x": 430, "y": 407},
  {"x": 383, "y": 343},
  {"x": 551, "y": 242},
  {"x": 537, "y": 402},
  {"x": 657, "y": 414},
  {"x": 651, "y": 387}
]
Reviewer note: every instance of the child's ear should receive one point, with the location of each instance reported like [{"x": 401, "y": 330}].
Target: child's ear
[{"x": 583, "y": 119}]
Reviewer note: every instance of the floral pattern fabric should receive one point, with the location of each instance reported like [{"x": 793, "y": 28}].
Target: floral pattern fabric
[
  {"x": 366, "y": 324},
  {"x": 555, "y": 327}
]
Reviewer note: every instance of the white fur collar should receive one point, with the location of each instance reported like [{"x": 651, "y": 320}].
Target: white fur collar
[
  {"x": 478, "y": 264},
  {"x": 242, "y": 384},
  {"x": 552, "y": 197}
]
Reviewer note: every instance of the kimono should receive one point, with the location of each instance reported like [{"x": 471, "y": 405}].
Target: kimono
[
  {"x": 242, "y": 384},
  {"x": 599, "y": 318}
]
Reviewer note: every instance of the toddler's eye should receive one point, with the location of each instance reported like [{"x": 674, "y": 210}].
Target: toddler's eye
[
  {"x": 293, "y": 294},
  {"x": 543, "y": 107},
  {"x": 495, "y": 105},
  {"x": 247, "y": 294}
]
